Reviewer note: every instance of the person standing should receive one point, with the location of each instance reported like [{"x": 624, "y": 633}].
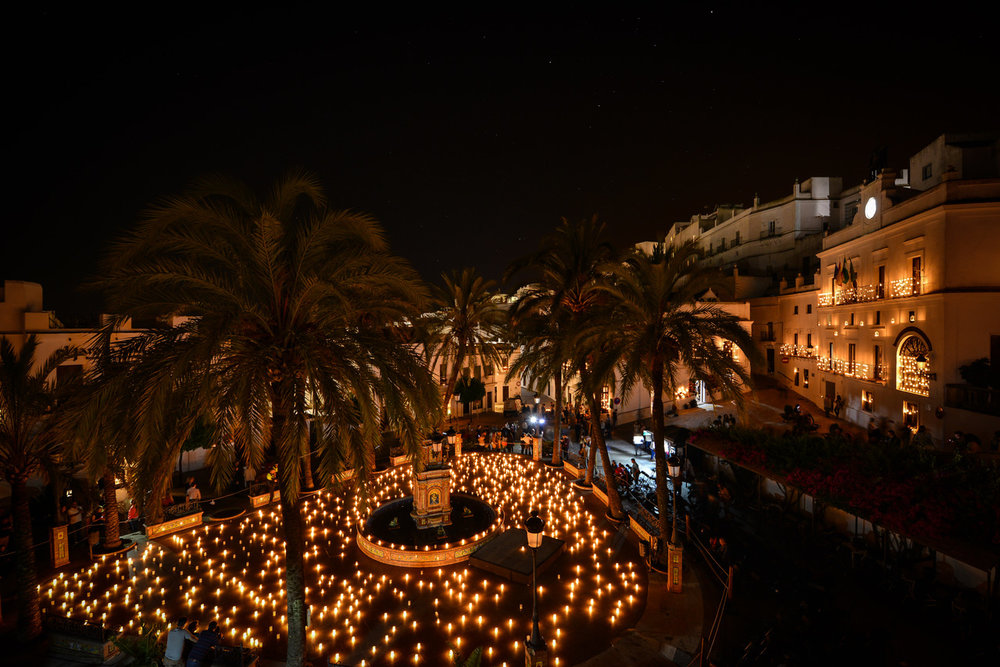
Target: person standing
[
  {"x": 173, "y": 656},
  {"x": 635, "y": 471},
  {"x": 75, "y": 517},
  {"x": 133, "y": 518},
  {"x": 193, "y": 494},
  {"x": 205, "y": 646}
]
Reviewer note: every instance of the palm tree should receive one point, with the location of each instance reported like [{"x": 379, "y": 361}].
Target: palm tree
[
  {"x": 97, "y": 426},
  {"x": 293, "y": 312},
  {"x": 595, "y": 361},
  {"x": 658, "y": 328},
  {"x": 29, "y": 442},
  {"x": 550, "y": 310},
  {"x": 468, "y": 322}
]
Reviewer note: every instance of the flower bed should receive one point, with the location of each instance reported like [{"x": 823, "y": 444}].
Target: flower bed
[{"x": 910, "y": 491}]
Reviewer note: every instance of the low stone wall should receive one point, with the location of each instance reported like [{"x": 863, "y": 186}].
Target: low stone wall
[
  {"x": 600, "y": 494},
  {"x": 173, "y": 525},
  {"x": 638, "y": 529},
  {"x": 80, "y": 641},
  {"x": 263, "y": 499}
]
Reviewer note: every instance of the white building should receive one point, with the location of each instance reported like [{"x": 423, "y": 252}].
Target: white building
[
  {"x": 920, "y": 299},
  {"x": 777, "y": 236}
]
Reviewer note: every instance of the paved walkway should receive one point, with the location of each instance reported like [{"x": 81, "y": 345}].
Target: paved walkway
[{"x": 669, "y": 631}]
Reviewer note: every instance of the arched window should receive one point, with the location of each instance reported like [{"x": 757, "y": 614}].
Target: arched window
[{"x": 913, "y": 366}]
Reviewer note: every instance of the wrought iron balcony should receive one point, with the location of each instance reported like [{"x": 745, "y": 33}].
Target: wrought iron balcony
[{"x": 974, "y": 399}]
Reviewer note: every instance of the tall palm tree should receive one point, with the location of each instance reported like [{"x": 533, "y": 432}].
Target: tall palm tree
[
  {"x": 30, "y": 439},
  {"x": 661, "y": 332},
  {"x": 468, "y": 321},
  {"x": 550, "y": 309},
  {"x": 97, "y": 430},
  {"x": 293, "y": 312},
  {"x": 595, "y": 361}
]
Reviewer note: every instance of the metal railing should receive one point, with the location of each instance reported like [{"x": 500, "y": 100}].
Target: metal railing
[
  {"x": 897, "y": 289},
  {"x": 974, "y": 399}
]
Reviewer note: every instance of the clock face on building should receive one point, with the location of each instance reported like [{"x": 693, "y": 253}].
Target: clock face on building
[{"x": 870, "y": 207}]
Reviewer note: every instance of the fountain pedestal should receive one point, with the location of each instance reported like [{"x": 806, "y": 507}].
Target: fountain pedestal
[{"x": 432, "y": 497}]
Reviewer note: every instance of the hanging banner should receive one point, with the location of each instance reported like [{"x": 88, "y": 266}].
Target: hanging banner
[{"x": 59, "y": 539}]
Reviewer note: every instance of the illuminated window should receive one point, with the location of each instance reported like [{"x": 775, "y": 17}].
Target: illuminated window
[
  {"x": 867, "y": 400},
  {"x": 912, "y": 365}
]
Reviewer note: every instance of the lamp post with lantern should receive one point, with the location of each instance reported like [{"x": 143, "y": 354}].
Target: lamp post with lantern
[
  {"x": 675, "y": 550},
  {"x": 534, "y": 647}
]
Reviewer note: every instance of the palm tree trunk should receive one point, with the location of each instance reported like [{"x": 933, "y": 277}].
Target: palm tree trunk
[
  {"x": 29, "y": 618},
  {"x": 556, "y": 444},
  {"x": 307, "y": 470},
  {"x": 662, "y": 495},
  {"x": 588, "y": 479},
  {"x": 295, "y": 588},
  {"x": 294, "y": 537},
  {"x": 614, "y": 499},
  {"x": 368, "y": 456},
  {"x": 112, "y": 539},
  {"x": 453, "y": 378}
]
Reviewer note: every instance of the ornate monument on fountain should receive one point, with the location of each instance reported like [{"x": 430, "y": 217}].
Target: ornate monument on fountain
[{"x": 432, "y": 489}]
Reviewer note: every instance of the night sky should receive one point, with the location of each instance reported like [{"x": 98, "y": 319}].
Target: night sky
[{"x": 466, "y": 135}]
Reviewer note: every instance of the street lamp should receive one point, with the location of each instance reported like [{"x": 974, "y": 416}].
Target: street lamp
[
  {"x": 675, "y": 551},
  {"x": 921, "y": 361},
  {"x": 535, "y": 645},
  {"x": 436, "y": 447}
]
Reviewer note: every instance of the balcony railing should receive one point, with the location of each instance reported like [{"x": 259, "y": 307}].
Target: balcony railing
[
  {"x": 766, "y": 337},
  {"x": 856, "y": 370},
  {"x": 974, "y": 399},
  {"x": 806, "y": 352},
  {"x": 897, "y": 289}
]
